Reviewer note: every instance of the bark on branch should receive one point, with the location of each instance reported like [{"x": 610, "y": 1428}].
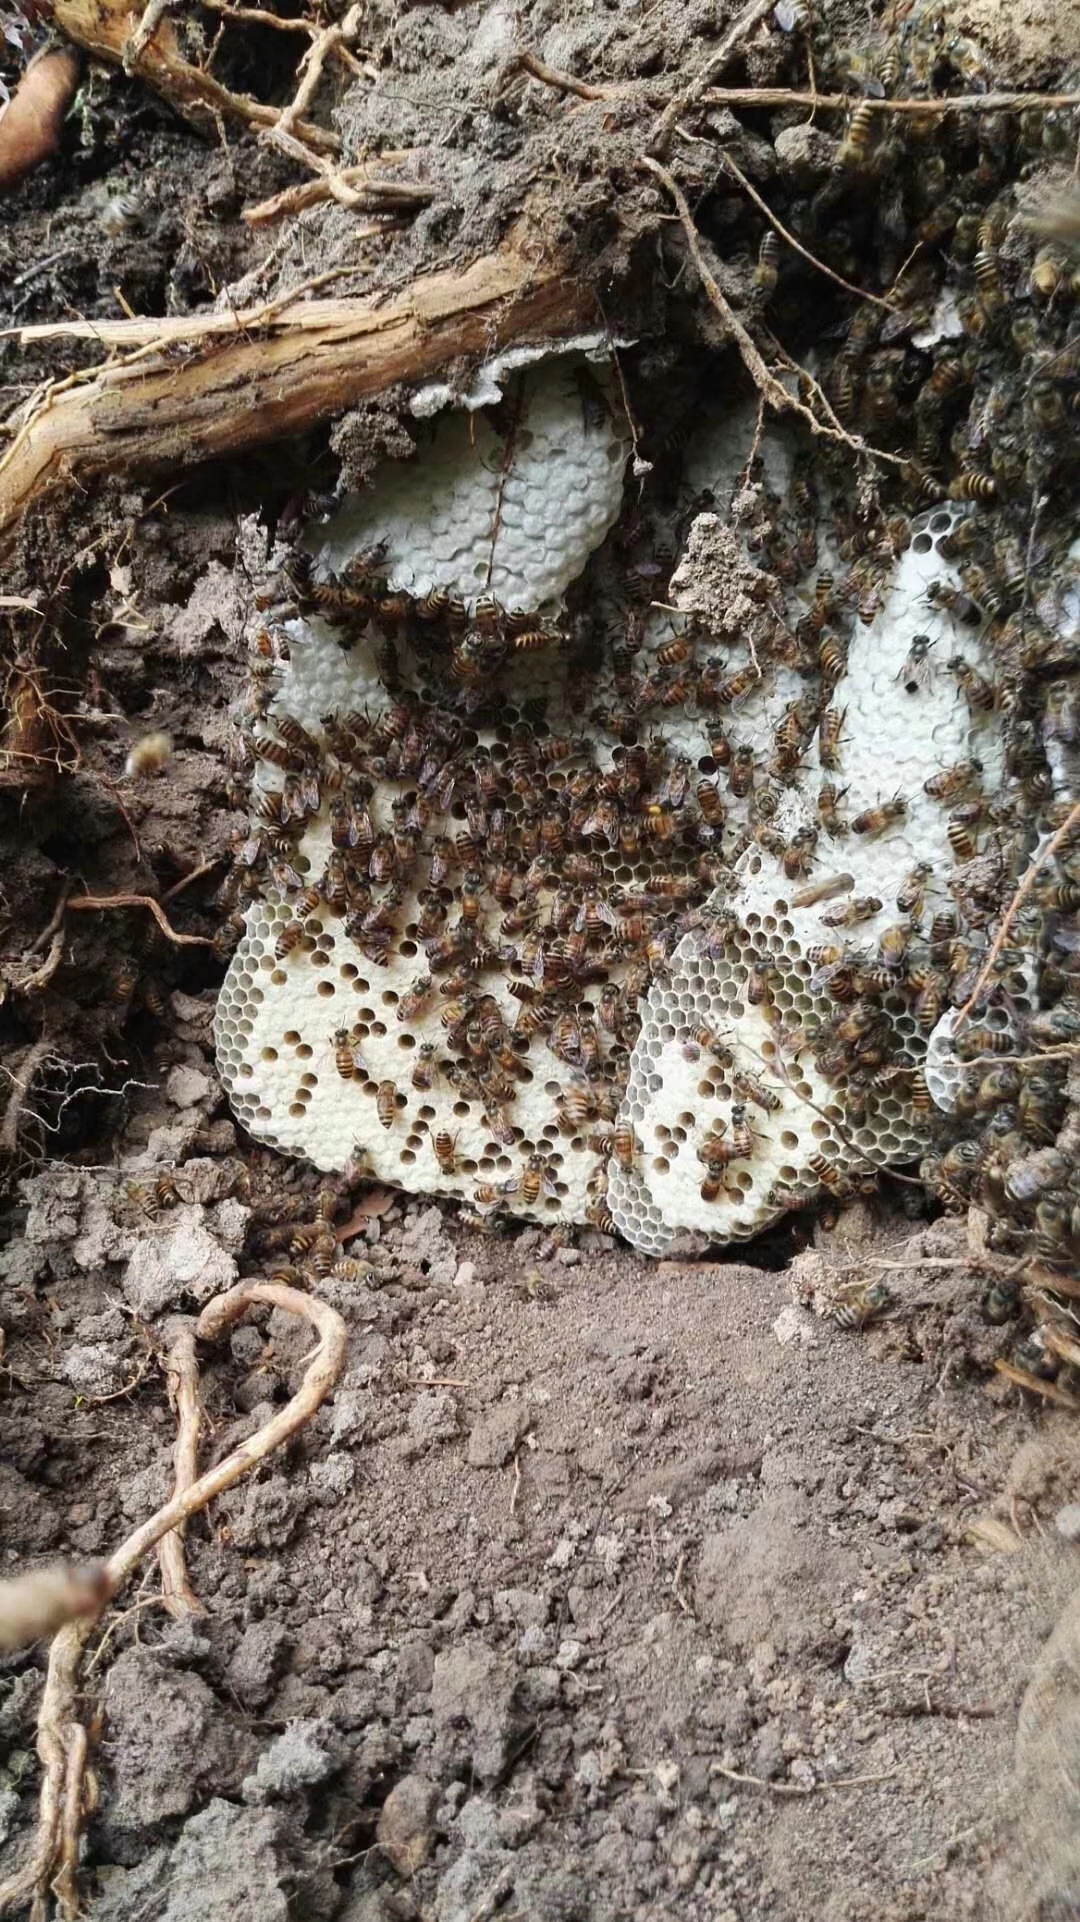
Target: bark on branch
[{"x": 171, "y": 403}]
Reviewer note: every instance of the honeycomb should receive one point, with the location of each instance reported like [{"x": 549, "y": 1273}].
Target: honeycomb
[{"x": 706, "y": 1101}]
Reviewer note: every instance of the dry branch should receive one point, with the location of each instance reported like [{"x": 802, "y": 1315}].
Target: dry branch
[
  {"x": 66, "y": 1790},
  {"x": 182, "y": 1372},
  {"x": 380, "y": 196},
  {"x": 140, "y": 901},
  {"x": 30, "y": 123},
  {"x": 243, "y": 390},
  {"x": 106, "y": 28}
]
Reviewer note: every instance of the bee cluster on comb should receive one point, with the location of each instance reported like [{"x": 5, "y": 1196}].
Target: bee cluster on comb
[{"x": 629, "y": 838}]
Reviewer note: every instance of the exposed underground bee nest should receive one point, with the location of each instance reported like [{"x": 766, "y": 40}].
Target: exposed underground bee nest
[{"x": 663, "y": 896}]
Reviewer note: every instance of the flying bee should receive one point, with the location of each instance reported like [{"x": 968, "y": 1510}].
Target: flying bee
[
  {"x": 386, "y": 1099},
  {"x": 741, "y": 773},
  {"x": 855, "y": 148},
  {"x": 826, "y": 890},
  {"x": 290, "y": 937},
  {"x": 916, "y": 670},
  {"x": 848, "y": 914},
  {"x": 767, "y": 271},
  {"x": 830, "y": 728},
  {"x": 875, "y": 820},
  {"x": 952, "y": 780},
  {"x": 828, "y": 807}
]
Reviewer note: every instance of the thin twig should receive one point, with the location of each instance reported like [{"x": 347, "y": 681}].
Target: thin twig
[
  {"x": 845, "y": 102},
  {"x": 188, "y": 880},
  {"x": 800, "y": 1788},
  {"x": 766, "y": 382},
  {"x": 552, "y": 77},
  {"x": 391, "y": 194},
  {"x": 182, "y": 1373},
  {"x": 141, "y": 901},
  {"x": 1068, "y": 826},
  {"x": 750, "y": 17},
  {"x": 861, "y": 293},
  {"x": 263, "y": 18},
  {"x": 21, "y": 1083},
  {"x": 61, "y": 1737}
]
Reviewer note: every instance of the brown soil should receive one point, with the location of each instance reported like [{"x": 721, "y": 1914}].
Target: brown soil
[{"x": 600, "y": 1589}]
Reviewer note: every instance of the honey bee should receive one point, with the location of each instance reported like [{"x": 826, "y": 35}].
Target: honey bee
[
  {"x": 625, "y": 1144},
  {"x": 537, "y": 1176},
  {"x": 707, "y": 1038},
  {"x": 799, "y": 855},
  {"x": 445, "y": 1146},
  {"x": 961, "y": 833},
  {"x": 386, "y": 1100},
  {"x": 849, "y": 913},
  {"x": 741, "y": 774},
  {"x": 955, "y": 602},
  {"x": 975, "y": 1042},
  {"x": 952, "y": 780},
  {"x": 1030, "y": 1177},
  {"x": 710, "y": 804},
  {"x": 754, "y": 1090},
  {"x": 875, "y": 820},
  {"x": 826, "y": 890},
  {"x": 987, "y": 271},
  {"x": 490, "y": 1194},
  {"x": 861, "y": 1302},
  {"x": 830, "y": 728},
  {"x": 735, "y": 686},
  {"x": 892, "y": 946},
  {"x": 289, "y": 938},
  {"x": 980, "y": 694},
  {"x": 832, "y": 658},
  {"x": 828, "y": 807},
  {"x": 345, "y": 1058},
  {"x": 167, "y": 1191}
]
